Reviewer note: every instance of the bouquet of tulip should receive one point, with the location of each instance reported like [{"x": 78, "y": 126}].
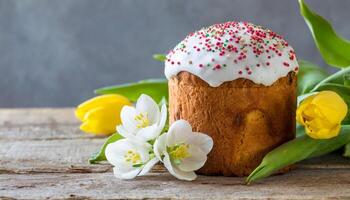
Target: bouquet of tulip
[{"x": 139, "y": 136}]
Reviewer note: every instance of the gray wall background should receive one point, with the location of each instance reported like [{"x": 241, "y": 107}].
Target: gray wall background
[{"x": 56, "y": 52}]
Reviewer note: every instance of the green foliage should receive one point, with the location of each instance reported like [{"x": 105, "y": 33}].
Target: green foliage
[
  {"x": 100, "y": 154},
  {"x": 155, "y": 88},
  {"x": 301, "y": 148},
  {"x": 334, "y": 49},
  {"x": 347, "y": 150},
  {"x": 309, "y": 75},
  {"x": 338, "y": 77}
]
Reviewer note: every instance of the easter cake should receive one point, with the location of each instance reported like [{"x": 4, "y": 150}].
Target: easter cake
[{"x": 236, "y": 82}]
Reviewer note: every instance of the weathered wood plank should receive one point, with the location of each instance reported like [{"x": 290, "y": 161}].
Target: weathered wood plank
[
  {"x": 38, "y": 156},
  {"x": 43, "y": 132},
  {"x": 27, "y": 116},
  {"x": 298, "y": 184}
]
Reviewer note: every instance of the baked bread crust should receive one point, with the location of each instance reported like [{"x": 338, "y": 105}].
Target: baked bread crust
[{"x": 245, "y": 120}]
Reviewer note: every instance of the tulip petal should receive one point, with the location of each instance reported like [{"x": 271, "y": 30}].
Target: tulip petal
[
  {"x": 319, "y": 128},
  {"x": 100, "y": 100},
  {"x": 97, "y": 127},
  {"x": 331, "y": 105},
  {"x": 305, "y": 104},
  {"x": 145, "y": 104}
]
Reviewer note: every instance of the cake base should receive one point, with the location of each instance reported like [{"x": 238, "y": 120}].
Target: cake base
[{"x": 245, "y": 120}]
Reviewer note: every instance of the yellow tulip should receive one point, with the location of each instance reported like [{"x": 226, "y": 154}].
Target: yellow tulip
[
  {"x": 101, "y": 115},
  {"x": 321, "y": 114}
]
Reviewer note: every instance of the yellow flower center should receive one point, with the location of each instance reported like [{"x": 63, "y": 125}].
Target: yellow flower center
[
  {"x": 142, "y": 120},
  {"x": 132, "y": 157},
  {"x": 179, "y": 152}
]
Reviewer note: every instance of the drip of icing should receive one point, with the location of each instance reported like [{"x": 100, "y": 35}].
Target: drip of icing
[{"x": 232, "y": 50}]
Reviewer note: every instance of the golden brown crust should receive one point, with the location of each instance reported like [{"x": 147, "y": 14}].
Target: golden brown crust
[{"x": 245, "y": 120}]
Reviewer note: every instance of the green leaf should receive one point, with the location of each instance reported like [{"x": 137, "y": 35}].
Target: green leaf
[
  {"x": 337, "y": 77},
  {"x": 159, "y": 57},
  {"x": 334, "y": 49},
  {"x": 346, "y": 78},
  {"x": 296, "y": 150},
  {"x": 347, "y": 150},
  {"x": 100, "y": 154},
  {"x": 309, "y": 75},
  {"x": 156, "y": 88}
]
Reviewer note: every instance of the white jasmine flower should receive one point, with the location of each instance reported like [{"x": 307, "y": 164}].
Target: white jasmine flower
[
  {"x": 183, "y": 151},
  {"x": 144, "y": 122},
  {"x": 130, "y": 158}
]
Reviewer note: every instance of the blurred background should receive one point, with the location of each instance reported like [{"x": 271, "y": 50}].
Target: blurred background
[{"x": 54, "y": 53}]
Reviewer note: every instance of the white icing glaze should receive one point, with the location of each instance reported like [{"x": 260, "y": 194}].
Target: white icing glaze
[{"x": 232, "y": 50}]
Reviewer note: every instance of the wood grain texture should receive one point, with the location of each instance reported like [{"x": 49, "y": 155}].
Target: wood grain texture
[
  {"x": 47, "y": 159},
  {"x": 298, "y": 184}
]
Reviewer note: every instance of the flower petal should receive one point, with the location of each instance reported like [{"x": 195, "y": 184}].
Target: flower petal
[
  {"x": 321, "y": 129},
  {"x": 148, "y": 133},
  {"x": 115, "y": 151},
  {"x": 126, "y": 174},
  {"x": 302, "y": 107},
  {"x": 145, "y": 104},
  {"x": 95, "y": 127},
  {"x": 148, "y": 166},
  {"x": 101, "y": 120},
  {"x": 100, "y": 101},
  {"x": 127, "y": 115},
  {"x": 163, "y": 117},
  {"x": 331, "y": 105},
  {"x": 195, "y": 161},
  {"x": 178, "y": 133},
  {"x": 188, "y": 176},
  {"x": 159, "y": 146},
  {"x": 201, "y": 140},
  {"x": 123, "y": 132}
]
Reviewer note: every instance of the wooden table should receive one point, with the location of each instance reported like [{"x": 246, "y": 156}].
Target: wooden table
[{"x": 44, "y": 155}]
